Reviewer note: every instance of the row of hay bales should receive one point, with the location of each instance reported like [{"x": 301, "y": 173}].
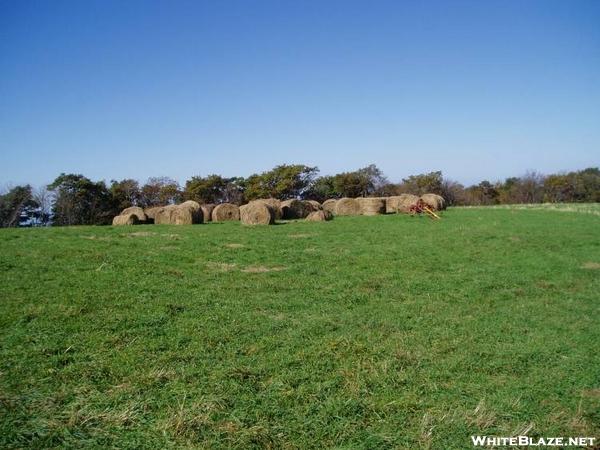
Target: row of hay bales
[
  {"x": 371, "y": 206},
  {"x": 267, "y": 211}
]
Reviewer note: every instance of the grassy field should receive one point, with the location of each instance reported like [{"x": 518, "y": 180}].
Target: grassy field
[
  {"x": 365, "y": 332},
  {"x": 586, "y": 208}
]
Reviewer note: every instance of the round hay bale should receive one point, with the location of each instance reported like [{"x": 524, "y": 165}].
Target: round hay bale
[
  {"x": 347, "y": 207},
  {"x": 405, "y": 201},
  {"x": 225, "y": 212},
  {"x": 295, "y": 209},
  {"x": 257, "y": 213},
  {"x": 391, "y": 204},
  {"x": 371, "y": 206},
  {"x": 207, "y": 210},
  {"x": 314, "y": 205},
  {"x": 329, "y": 205},
  {"x": 139, "y": 212},
  {"x": 151, "y": 213},
  {"x": 434, "y": 201},
  {"x": 191, "y": 204},
  {"x": 319, "y": 216},
  {"x": 125, "y": 219},
  {"x": 197, "y": 213},
  {"x": 182, "y": 215},
  {"x": 274, "y": 204},
  {"x": 163, "y": 214}
]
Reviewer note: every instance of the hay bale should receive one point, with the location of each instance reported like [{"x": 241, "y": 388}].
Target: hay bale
[
  {"x": 329, "y": 205},
  {"x": 371, "y": 206},
  {"x": 405, "y": 202},
  {"x": 314, "y": 205},
  {"x": 183, "y": 214},
  {"x": 274, "y": 204},
  {"x": 434, "y": 201},
  {"x": 347, "y": 207},
  {"x": 319, "y": 216},
  {"x": 207, "y": 210},
  {"x": 163, "y": 214},
  {"x": 391, "y": 204},
  {"x": 151, "y": 213},
  {"x": 125, "y": 219},
  {"x": 257, "y": 213},
  {"x": 197, "y": 213},
  {"x": 191, "y": 204},
  {"x": 139, "y": 212},
  {"x": 225, "y": 212},
  {"x": 295, "y": 209}
]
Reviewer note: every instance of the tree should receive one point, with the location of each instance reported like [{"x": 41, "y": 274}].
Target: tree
[
  {"x": 587, "y": 185},
  {"x": 234, "y": 191},
  {"x": 485, "y": 193},
  {"x": 321, "y": 189},
  {"x": 125, "y": 193},
  {"x": 530, "y": 188},
  {"x": 205, "y": 189},
  {"x": 16, "y": 206},
  {"x": 214, "y": 189},
  {"x": 282, "y": 182},
  {"x": 159, "y": 191},
  {"x": 43, "y": 213},
  {"x": 80, "y": 201},
  {"x": 360, "y": 183},
  {"x": 431, "y": 182},
  {"x": 453, "y": 192}
]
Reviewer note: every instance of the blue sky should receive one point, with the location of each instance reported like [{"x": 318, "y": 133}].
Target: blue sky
[{"x": 477, "y": 89}]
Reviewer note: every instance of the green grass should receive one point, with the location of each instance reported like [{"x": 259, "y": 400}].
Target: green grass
[
  {"x": 365, "y": 332},
  {"x": 587, "y": 208}
]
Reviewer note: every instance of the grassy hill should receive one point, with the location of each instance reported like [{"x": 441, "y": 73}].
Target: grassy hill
[{"x": 364, "y": 332}]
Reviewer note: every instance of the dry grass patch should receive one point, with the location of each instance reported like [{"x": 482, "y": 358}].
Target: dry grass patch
[
  {"x": 97, "y": 238},
  {"x": 592, "y": 393},
  {"x": 590, "y": 265},
  {"x": 190, "y": 420},
  {"x": 234, "y": 245},
  {"x": 482, "y": 417},
  {"x": 263, "y": 269},
  {"x": 222, "y": 267},
  {"x": 140, "y": 234},
  {"x": 175, "y": 237},
  {"x": 168, "y": 248},
  {"x": 301, "y": 235}
]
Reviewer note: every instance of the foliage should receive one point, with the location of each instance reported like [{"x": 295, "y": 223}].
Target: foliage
[
  {"x": 125, "y": 193},
  {"x": 42, "y": 214},
  {"x": 322, "y": 188},
  {"x": 283, "y": 182},
  {"x": 17, "y": 206},
  {"x": 485, "y": 193},
  {"x": 363, "y": 182},
  {"x": 159, "y": 191},
  {"x": 80, "y": 201},
  {"x": 306, "y": 335},
  {"x": 422, "y": 184},
  {"x": 214, "y": 189}
]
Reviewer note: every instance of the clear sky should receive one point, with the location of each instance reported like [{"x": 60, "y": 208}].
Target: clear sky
[{"x": 477, "y": 89}]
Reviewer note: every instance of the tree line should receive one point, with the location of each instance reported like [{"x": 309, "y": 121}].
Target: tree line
[{"x": 73, "y": 199}]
